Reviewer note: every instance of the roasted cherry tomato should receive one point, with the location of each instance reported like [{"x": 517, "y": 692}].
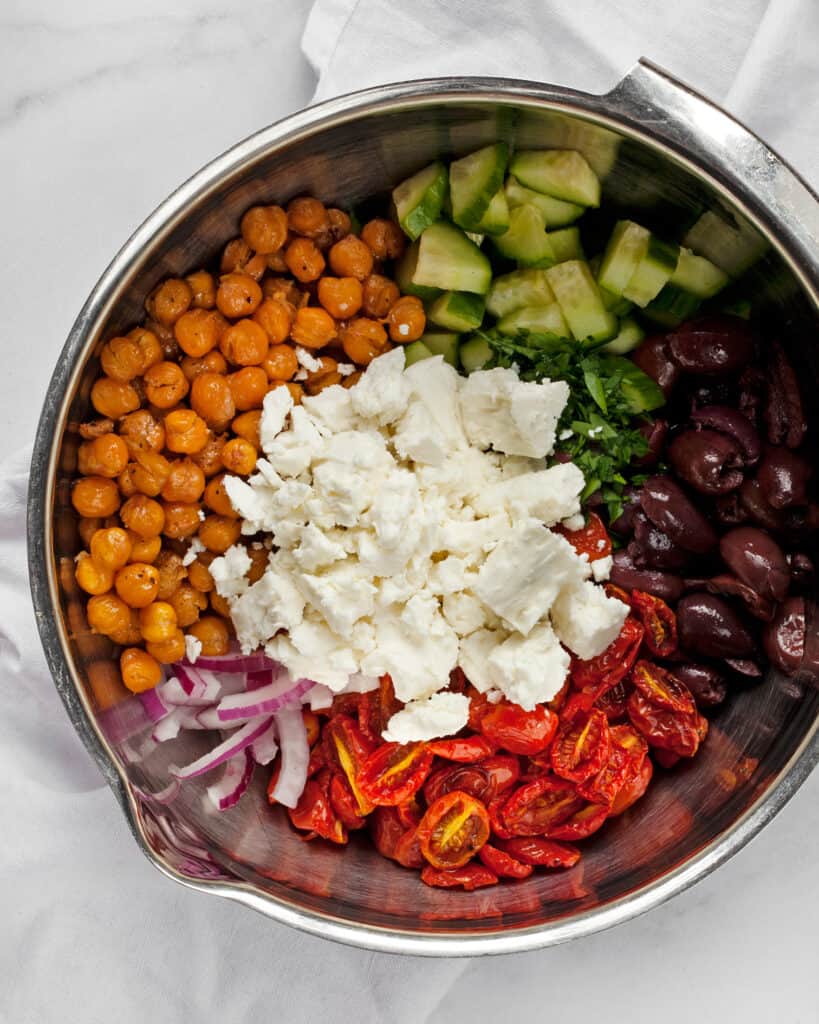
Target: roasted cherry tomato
[
  {"x": 453, "y": 829},
  {"x": 376, "y": 708},
  {"x": 408, "y": 850},
  {"x": 410, "y": 812},
  {"x": 344, "y": 803},
  {"x": 659, "y": 623},
  {"x": 394, "y": 773},
  {"x": 582, "y": 746},
  {"x": 312, "y": 726},
  {"x": 662, "y": 688},
  {"x": 504, "y": 770},
  {"x": 581, "y": 824},
  {"x": 603, "y": 787},
  {"x": 612, "y": 590},
  {"x": 495, "y": 811},
  {"x": 591, "y": 540},
  {"x": 346, "y": 748},
  {"x": 469, "y": 778},
  {"x": 539, "y": 805},
  {"x": 479, "y": 705},
  {"x": 597, "y": 675},
  {"x": 385, "y": 830},
  {"x": 314, "y": 812},
  {"x": 613, "y": 702},
  {"x": 545, "y": 853},
  {"x": 676, "y": 731},
  {"x": 503, "y": 864},
  {"x": 468, "y": 877},
  {"x": 518, "y": 731},
  {"x": 632, "y": 791},
  {"x": 466, "y": 751},
  {"x": 317, "y": 761},
  {"x": 666, "y": 758}
]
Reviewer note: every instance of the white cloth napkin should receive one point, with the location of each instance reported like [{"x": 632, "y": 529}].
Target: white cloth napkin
[{"x": 91, "y": 933}]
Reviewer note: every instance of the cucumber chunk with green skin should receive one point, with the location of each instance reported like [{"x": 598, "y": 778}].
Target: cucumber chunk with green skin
[
  {"x": 557, "y": 213},
  {"x": 404, "y": 270},
  {"x": 474, "y": 354},
  {"x": 459, "y": 311},
  {"x": 731, "y": 247},
  {"x": 615, "y": 303},
  {"x": 420, "y": 199},
  {"x": 441, "y": 343},
  {"x": 641, "y": 393},
  {"x": 566, "y": 244},
  {"x": 496, "y": 219},
  {"x": 520, "y": 288},
  {"x": 448, "y": 260},
  {"x": 653, "y": 272},
  {"x": 672, "y": 306},
  {"x": 415, "y": 352},
  {"x": 473, "y": 182},
  {"x": 526, "y": 240},
  {"x": 628, "y": 338},
  {"x": 562, "y": 173},
  {"x": 697, "y": 275},
  {"x": 580, "y": 302},
  {"x": 542, "y": 319},
  {"x": 626, "y": 247}
]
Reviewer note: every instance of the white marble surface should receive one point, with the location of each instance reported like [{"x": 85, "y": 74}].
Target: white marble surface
[{"x": 104, "y": 107}]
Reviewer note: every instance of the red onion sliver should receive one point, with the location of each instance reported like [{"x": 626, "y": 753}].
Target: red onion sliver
[
  {"x": 295, "y": 756},
  {"x": 265, "y": 748},
  {"x": 235, "y": 780},
  {"x": 264, "y": 701},
  {"x": 256, "y": 680},
  {"x": 165, "y": 795},
  {"x": 124, "y": 720},
  {"x": 233, "y": 663},
  {"x": 154, "y": 706},
  {"x": 234, "y": 744}
]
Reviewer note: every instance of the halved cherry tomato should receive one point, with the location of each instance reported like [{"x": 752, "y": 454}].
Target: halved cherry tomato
[
  {"x": 457, "y": 680},
  {"x": 312, "y": 726},
  {"x": 662, "y": 688},
  {"x": 376, "y": 708},
  {"x": 597, "y": 675},
  {"x": 520, "y": 732},
  {"x": 581, "y": 824},
  {"x": 468, "y": 877},
  {"x": 659, "y": 623},
  {"x": 394, "y": 773},
  {"x": 503, "y": 864},
  {"x": 504, "y": 770},
  {"x": 479, "y": 705},
  {"x": 632, "y": 791},
  {"x": 666, "y": 758},
  {"x": 668, "y": 730},
  {"x": 346, "y": 748},
  {"x": 385, "y": 830},
  {"x": 591, "y": 540},
  {"x": 545, "y": 853},
  {"x": 612, "y": 590},
  {"x": 410, "y": 812},
  {"x": 582, "y": 746},
  {"x": 466, "y": 751},
  {"x": 317, "y": 761},
  {"x": 345, "y": 804},
  {"x": 408, "y": 850},
  {"x": 631, "y": 741},
  {"x": 314, "y": 812},
  {"x": 603, "y": 787},
  {"x": 613, "y": 702},
  {"x": 539, "y": 805},
  {"x": 469, "y": 778},
  {"x": 495, "y": 811},
  {"x": 453, "y": 829}
]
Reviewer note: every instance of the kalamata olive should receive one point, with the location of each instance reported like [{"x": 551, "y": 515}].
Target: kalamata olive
[
  {"x": 730, "y": 509},
  {"x": 706, "y": 683},
  {"x": 784, "y": 415},
  {"x": 653, "y": 549},
  {"x": 670, "y": 509},
  {"x": 758, "y": 509},
  {"x": 709, "y": 626},
  {"x": 623, "y": 525},
  {"x": 731, "y": 422},
  {"x": 654, "y": 358},
  {"x": 705, "y": 391},
  {"x": 707, "y": 460},
  {"x": 760, "y": 607},
  {"x": 712, "y": 344},
  {"x": 803, "y": 571},
  {"x": 755, "y": 557},
  {"x": 752, "y": 391},
  {"x": 625, "y": 574},
  {"x": 655, "y": 433},
  {"x": 744, "y": 667},
  {"x": 783, "y": 476},
  {"x": 784, "y": 638}
]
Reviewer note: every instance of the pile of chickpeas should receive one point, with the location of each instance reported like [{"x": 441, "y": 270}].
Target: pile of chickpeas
[{"x": 179, "y": 404}]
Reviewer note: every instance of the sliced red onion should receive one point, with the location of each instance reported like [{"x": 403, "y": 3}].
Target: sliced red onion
[
  {"x": 256, "y": 680},
  {"x": 264, "y": 701},
  {"x": 169, "y": 727},
  {"x": 234, "y": 744},
  {"x": 256, "y": 662},
  {"x": 295, "y": 756},
  {"x": 265, "y": 748},
  {"x": 124, "y": 720},
  {"x": 173, "y": 692},
  {"x": 209, "y": 719},
  {"x": 153, "y": 704},
  {"x": 164, "y": 796},
  {"x": 236, "y": 778}
]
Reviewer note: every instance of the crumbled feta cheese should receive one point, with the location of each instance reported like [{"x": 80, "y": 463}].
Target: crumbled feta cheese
[
  {"x": 419, "y": 662},
  {"x": 530, "y": 670},
  {"x": 564, "y": 435},
  {"x": 383, "y": 391},
  {"x": 316, "y": 549},
  {"x": 586, "y": 619},
  {"x": 229, "y": 572},
  {"x": 331, "y": 410},
  {"x": 464, "y": 613},
  {"x": 601, "y": 568},
  {"x": 275, "y": 407},
  {"x": 473, "y": 657},
  {"x": 196, "y": 547},
  {"x": 441, "y": 714},
  {"x": 575, "y": 522},
  {"x": 345, "y": 369},
  {"x": 549, "y": 495},
  {"x": 307, "y": 360},
  {"x": 193, "y": 647}
]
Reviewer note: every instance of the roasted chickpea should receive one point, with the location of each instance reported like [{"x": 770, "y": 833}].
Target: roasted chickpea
[
  {"x": 213, "y": 362},
  {"x": 199, "y": 575},
  {"x": 307, "y": 216},
  {"x": 276, "y": 262},
  {"x": 96, "y": 428},
  {"x": 185, "y": 432},
  {"x": 87, "y": 527},
  {"x": 340, "y": 223},
  {"x": 384, "y": 238},
  {"x": 218, "y": 533},
  {"x": 239, "y": 457},
  {"x": 140, "y": 670},
  {"x": 144, "y": 549},
  {"x": 304, "y": 260},
  {"x": 168, "y": 651},
  {"x": 264, "y": 228},
  {"x": 209, "y": 459},
  {"x": 325, "y": 377},
  {"x": 216, "y": 498},
  {"x": 296, "y": 390},
  {"x": 235, "y": 255},
  {"x": 244, "y": 343},
  {"x": 167, "y": 342},
  {"x": 380, "y": 295},
  {"x": 340, "y": 296},
  {"x": 181, "y": 519},
  {"x": 150, "y": 472},
  {"x": 169, "y": 301},
  {"x": 150, "y": 348},
  {"x": 106, "y": 684},
  {"x": 92, "y": 578},
  {"x": 212, "y": 400},
  {"x": 185, "y": 482},
  {"x": 106, "y": 455},
  {"x": 280, "y": 363},
  {"x": 137, "y": 584},
  {"x": 275, "y": 317},
  {"x": 157, "y": 622},
  {"x": 125, "y": 481},
  {"x": 144, "y": 516},
  {"x": 111, "y": 547},
  {"x": 121, "y": 359},
  {"x": 198, "y": 331},
  {"x": 95, "y": 496},
  {"x": 212, "y": 633},
  {"x": 313, "y": 328},
  {"x": 259, "y": 556},
  {"x": 188, "y": 603},
  {"x": 203, "y": 289},
  {"x": 248, "y": 387},
  {"x": 171, "y": 573},
  {"x": 142, "y": 432},
  {"x": 165, "y": 385},
  {"x": 363, "y": 340},
  {"x": 285, "y": 290},
  {"x": 352, "y": 379},
  {"x": 108, "y": 614},
  {"x": 406, "y": 320},
  {"x": 220, "y": 605},
  {"x": 238, "y": 295},
  {"x": 113, "y": 398},
  {"x": 351, "y": 258}
]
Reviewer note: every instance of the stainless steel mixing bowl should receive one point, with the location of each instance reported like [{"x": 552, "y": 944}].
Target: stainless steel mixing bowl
[{"x": 669, "y": 157}]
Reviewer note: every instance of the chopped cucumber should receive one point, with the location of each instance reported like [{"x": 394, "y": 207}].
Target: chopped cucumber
[
  {"x": 420, "y": 199},
  {"x": 474, "y": 354},
  {"x": 628, "y": 338},
  {"x": 627, "y": 246},
  {"x": 459, "y": 311},
  {"x": 672, "y": 306},
  {"x": 520, "y": 288},
  {"x": 473, "y": 182},
  {"x": 404, "y": 271},
  {"x": 444, "y": 344},
  {"x": 566, "y": 244},
  {"x": 615, "y": 303},
  {"x": 641, "y": 393},
  {"x": 526, "y": 240},
  {"x": 448, "y": 260},
  {"x": 415, "y": 352},
  {"x": 732, "y": 247},
  {"x": 697, "y": 275},
  {"x": 562, "y": 173},
  {"x": 496, "y": 219},
  {"x": 544, "y": 319},
  {"x": 653, "y": 272},
  {"x": 556, "y": 212},
  {"x": 579, "y": 299}
]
